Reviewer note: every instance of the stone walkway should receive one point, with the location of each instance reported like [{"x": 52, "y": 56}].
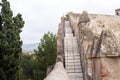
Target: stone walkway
[{"x": 72, "y": 55}]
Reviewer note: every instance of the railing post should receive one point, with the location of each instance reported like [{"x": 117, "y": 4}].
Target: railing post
[{"x": 63, "y": 35}]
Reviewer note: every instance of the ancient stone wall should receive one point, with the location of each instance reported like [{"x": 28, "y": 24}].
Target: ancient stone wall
[
  {"x": 97, "y": 50},
  {"x": 110, "y": 68},
  {"x": 110, "y": 44},
  {"x": 59, "y": 39},
  {"x": 58, "y": 73}
]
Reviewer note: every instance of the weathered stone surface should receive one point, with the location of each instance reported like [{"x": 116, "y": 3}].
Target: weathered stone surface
[
  {"x": 59, "y": 39},
  {"x": 98, "y": 22},
  {"x": 58, "y": 73},
  {"x": 110, "y": 24},
  {"x": 110, "y": 69}
]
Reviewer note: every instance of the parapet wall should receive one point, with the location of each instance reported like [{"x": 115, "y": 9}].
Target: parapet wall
[{"x": 58, "y": 73}]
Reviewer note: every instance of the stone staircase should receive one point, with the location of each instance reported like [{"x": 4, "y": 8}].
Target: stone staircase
[{"x": 72, "y": 55}]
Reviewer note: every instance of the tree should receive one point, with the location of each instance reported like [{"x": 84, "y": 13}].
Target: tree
[
  {"x": 46, "y": 53},
  {"x": 10, "y": 43},
  {"x": 28, "y": 66}
]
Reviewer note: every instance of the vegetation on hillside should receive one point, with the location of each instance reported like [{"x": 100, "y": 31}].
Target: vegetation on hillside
[
  {"x": 29, "y": 66},
  {"x": 35, "y": 66}
]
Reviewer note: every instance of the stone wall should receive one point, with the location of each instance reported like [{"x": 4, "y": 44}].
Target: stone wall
[
  {"x": 105, "y": 68},
  {"x": 58, "y": 73},
  {"x": 110, "y": 68},
  {"x": 59, "y": 39},
  {"x": 110, "y": 44}
]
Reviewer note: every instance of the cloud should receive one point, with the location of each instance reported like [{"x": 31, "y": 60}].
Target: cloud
[{"x": 42, "y": 16}]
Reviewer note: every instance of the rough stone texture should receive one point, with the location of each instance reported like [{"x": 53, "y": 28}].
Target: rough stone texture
[
  {"x": 58, "y": 73},
  {"x": 110, "y": 69},
  {"x": 59, "y": 39},
  {"x": 91, "y": 31},
  {"x": 110, "y": 24}
]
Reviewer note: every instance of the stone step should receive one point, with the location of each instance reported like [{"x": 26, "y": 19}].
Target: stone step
[
  {"x": 73, "y": 71},
  {"x": 80, "y": 75},
  {"x": 73, "y": 64},
  {"x": 68, "y": 34},
  {"x": 74, "y": 60},
  {"x": 75, "y": 57},
  {"x": 72, "y": 55},
  {"x": 71, "y": 50},
  {"x": 71, "y": 47},
  {"x": 76, "y": 67},
  {"x": 76, "y": 78},
  {"x": 70, "y": 60},
  {"x": 73, "y": 67}
]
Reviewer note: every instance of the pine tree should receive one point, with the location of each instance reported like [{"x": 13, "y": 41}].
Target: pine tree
[
  {"x": 46, "y": 54},
  {"x": 10, "y": 43}
]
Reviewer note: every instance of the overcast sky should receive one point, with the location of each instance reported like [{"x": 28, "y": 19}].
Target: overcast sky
[{"x": 41, "y": 16}]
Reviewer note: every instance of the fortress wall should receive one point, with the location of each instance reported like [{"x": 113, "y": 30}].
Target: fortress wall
[
  {"x": 58, "y": 73},
  {"x": 59, "y": 39},
  {"x": 110, "y": 67}
]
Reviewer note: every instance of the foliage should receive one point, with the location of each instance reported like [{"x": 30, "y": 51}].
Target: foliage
[
  {"x": 46, "y": 53},
  {"x": 35, "y": 66},
  {"x": 10, "y": 43},
  {"x": 27, "y": 66}
]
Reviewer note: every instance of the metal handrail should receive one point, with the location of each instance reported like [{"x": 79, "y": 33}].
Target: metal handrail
[{"x": 63, "y": 35}]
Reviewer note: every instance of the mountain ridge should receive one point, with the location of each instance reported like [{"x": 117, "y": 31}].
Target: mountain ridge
[{"x": 30, "y": 46}]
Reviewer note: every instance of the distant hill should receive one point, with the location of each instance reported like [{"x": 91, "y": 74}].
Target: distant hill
[
  {"x": 27, "y": 52},
  {"x": 30, "y": 47}
]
